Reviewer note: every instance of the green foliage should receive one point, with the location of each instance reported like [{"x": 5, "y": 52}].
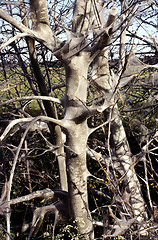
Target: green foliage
[{"x": 71, "y": 231}]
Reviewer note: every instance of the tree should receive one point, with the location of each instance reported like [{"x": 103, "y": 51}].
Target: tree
[{"x": 94, "y": 102}]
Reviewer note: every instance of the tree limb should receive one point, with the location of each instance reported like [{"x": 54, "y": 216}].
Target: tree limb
[{"x": 47, "y": 98}]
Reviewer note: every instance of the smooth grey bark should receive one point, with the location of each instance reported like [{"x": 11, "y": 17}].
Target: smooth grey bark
[
  {"x": 75, "y": 121},
  {"x": 61, "y": 158},
  {"x": 77, "y": 134},
  {"x": 77, "y": 58},
  {"x": 123, "y": 162},
  {"x": 77, "y": 129}
]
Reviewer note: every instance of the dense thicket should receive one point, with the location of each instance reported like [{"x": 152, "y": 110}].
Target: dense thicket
[{"x": 78, "y": 119}]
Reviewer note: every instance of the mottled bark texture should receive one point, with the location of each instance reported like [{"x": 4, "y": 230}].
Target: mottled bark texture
[
  {"x": 123, "y": 162},
  {"x": 77, "y": 134},
  {"x": 77, "y": 53}
]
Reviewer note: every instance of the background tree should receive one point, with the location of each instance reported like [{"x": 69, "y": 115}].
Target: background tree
[{"x": 89, "y": 113}]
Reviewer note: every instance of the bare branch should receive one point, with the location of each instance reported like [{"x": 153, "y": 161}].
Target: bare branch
[
  {"x": 11, "y": 40},
  {"x": 46, "y": 193},
  {"x": 47, "y": 98},
  {"x": 43, "y": 35},
  {"x": 21, "y": 27},
  {"x": 16, "y": 121}
]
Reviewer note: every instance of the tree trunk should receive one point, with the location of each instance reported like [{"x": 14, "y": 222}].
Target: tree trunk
[
  {"x": 123, "y": 162},
  {"x": 131, "y": 192},
  {"x": 77, "y": 133}
]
